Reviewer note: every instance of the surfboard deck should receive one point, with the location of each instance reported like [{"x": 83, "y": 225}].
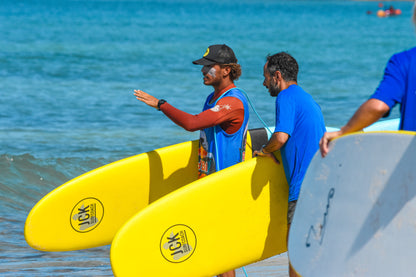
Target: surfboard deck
[
  {"x": 220, "y": 222},
  {"x": 355, "y": 213},
  {"x": 88, "y": 210}
]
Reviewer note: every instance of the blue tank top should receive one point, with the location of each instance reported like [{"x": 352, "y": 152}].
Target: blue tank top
[{"x": 217, "y": 149}]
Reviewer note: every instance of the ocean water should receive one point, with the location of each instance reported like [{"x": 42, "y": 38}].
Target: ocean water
[{"x": 68, "y": 69}]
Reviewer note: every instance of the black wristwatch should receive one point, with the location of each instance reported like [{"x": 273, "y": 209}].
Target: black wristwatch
[{"x": 161, "y": 101}]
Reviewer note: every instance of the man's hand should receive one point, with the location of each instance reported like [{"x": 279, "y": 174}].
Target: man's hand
[
  {"x": 324, "y": 142},
  {"x": 262, "y": 154},
  {"x": 146, "y": 98}
]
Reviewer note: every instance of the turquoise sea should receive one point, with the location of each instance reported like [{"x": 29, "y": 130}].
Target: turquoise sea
[{"x": 68, "y": 69}]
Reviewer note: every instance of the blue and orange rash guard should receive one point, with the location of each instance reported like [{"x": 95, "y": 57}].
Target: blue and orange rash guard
[
  {"x": 225, "y": 114},
  {"x": 230, "y": 119}
]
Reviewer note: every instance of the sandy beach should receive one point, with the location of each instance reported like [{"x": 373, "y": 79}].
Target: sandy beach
[{"x": 276, "y": 266}]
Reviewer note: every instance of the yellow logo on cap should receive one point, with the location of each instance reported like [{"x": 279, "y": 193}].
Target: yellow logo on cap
[{"x": 206, "y": 53}]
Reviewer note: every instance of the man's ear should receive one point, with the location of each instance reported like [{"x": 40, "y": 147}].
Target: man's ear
[
  {"x": 277, "y": 75},
  {"x": 226, "y": 71}
]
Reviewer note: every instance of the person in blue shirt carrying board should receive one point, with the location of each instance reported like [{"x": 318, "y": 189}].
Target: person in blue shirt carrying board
[
  {"x": 398, "y": 86},
  {"x": 299, "y": 124}
]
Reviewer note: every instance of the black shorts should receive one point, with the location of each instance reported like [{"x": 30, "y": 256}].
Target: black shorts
[{"x": 290, "y": 211}]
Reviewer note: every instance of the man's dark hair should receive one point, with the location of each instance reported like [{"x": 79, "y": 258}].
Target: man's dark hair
[
  {"x": 284, "y": 63},
  {"x": 235, "y": 71}
]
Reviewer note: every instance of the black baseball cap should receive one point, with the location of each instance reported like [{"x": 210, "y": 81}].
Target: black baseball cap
[{"x": 217, "y": 54}]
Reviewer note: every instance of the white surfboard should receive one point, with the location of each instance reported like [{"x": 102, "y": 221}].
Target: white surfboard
[{"x": 356, "y": 210}]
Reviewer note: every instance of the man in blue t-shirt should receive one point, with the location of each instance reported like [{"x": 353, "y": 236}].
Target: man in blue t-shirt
[
  {"x": 398, "y": 86},
  {"x": 299, "y": 124}
]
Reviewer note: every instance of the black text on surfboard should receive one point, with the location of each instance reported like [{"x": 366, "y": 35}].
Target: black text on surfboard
[
  {"x": 178, "y": 243},
  {"x": 86, "y": 215},
  {"x": 320, "y": 235}
]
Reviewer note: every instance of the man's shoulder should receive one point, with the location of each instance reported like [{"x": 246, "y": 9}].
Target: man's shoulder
[
  {"x": 294, "y": 91},
  {"x": 231, "y": 100},
  {"x": 402, "y": 61},
  {"x": 235, "y": 91},
  {"x": 405, "y": 55},
  {"x": 411, "y": 51},
  {"x": 234, "y": 94}
]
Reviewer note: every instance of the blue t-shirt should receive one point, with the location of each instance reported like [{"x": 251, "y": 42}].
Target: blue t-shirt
[
  {"x": 299, "y": 116},
  {"x": 398, "y": 86}
]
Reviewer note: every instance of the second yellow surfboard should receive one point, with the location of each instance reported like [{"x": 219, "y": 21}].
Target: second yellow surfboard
[{"x": 224, "y": 221}]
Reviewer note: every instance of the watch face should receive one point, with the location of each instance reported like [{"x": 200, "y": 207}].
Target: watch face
[{"x": 161, "y": 101}]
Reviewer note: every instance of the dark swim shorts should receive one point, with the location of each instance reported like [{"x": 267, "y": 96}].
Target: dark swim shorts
[{"x": 290, "y": 211}]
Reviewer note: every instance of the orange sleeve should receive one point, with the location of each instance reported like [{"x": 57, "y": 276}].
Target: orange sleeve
[{"x": 228, "y": 113}]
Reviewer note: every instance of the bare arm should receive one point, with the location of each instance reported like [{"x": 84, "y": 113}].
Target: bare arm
[
  {"x": 369, "y": 112},
  {"x": 276, "y": 142}
]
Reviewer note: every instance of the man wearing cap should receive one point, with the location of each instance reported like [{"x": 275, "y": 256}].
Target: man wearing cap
[{"x": 224, "y": 120}]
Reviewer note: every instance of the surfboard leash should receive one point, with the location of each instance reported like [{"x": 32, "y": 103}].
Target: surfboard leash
[
  {"x": 255, "y": 111},
  {"x": 245, "y": 272}
]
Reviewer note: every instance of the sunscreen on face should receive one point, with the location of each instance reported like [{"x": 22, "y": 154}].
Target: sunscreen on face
[
  {"x": 209, "y": 70},
  {"x": 212, "y": 72}
]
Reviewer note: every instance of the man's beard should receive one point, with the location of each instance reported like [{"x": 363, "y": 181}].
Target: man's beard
[{"x": 274, "y": 89}]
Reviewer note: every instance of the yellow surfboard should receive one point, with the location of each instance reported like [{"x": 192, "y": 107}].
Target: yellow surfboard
[
  {"x": 224, "y": 221},
  {"x": 88, "y": 210}
]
